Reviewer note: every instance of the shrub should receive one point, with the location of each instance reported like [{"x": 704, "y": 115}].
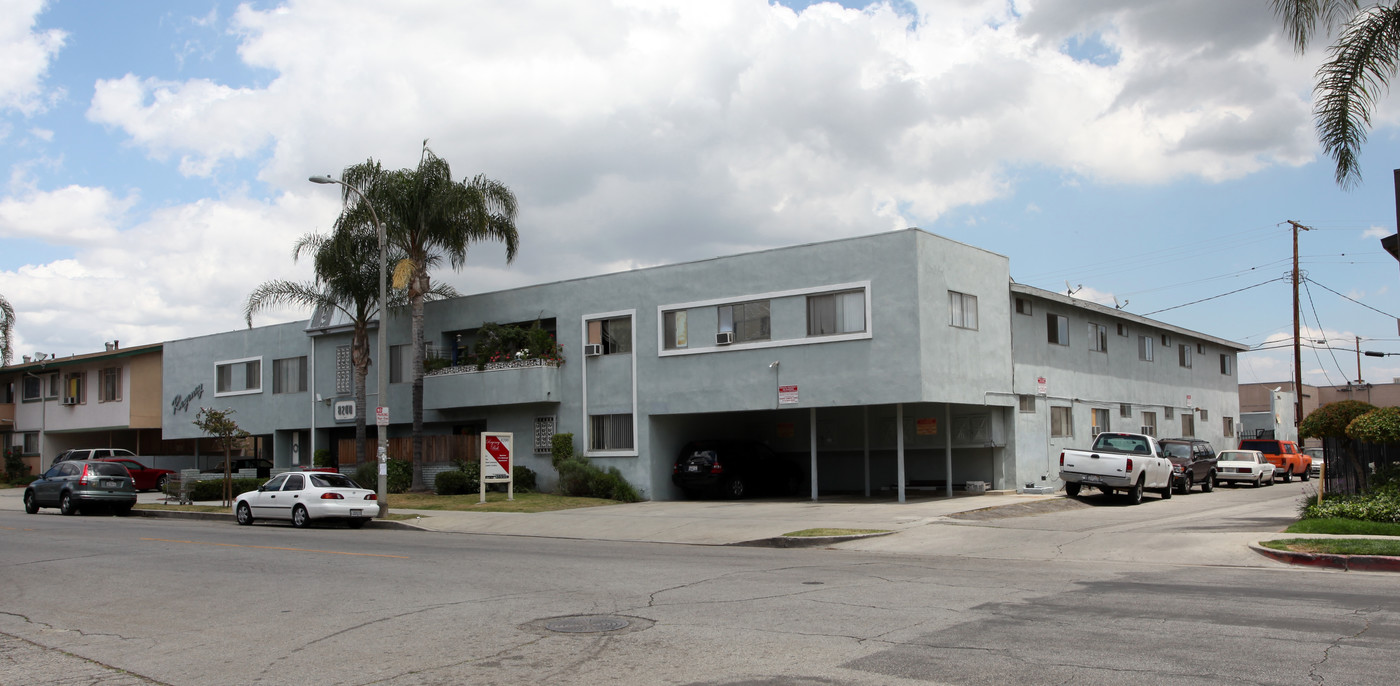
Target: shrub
[
  {"x": 367, "y": 476},
  {"x": 400, "y": 476},
  {"x": 472, "y": 470},
  {"x": 561, "y": 448},
  {"x": 524, "y": 479},
  {"x": 321, "y": 458},
  {"x": 213, "y": 489},
  {"x": 452, "y": 482},
  {"x": 16, "y": 471},
  {"x": 1371, "y": 507},
  {"x": 1331, "y": 420},
  {"x": 581, "y": 478},
  {"x": 1381, "y": 425}
]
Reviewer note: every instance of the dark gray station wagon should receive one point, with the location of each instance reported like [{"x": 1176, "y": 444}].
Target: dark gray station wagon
[{"x": 78, "y": 485}]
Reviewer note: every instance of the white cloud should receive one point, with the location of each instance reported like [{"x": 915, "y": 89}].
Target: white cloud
[
  {"x": 25, "y": 55},
  {"x": 67, "y": 216},
  {"x": 1376, "y": 232}
]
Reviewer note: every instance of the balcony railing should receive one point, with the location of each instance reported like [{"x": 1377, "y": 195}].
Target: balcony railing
[{"x": 512, "y": 382}]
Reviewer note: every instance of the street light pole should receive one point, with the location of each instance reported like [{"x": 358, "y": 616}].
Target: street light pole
[{"x": 382, "y": 342}]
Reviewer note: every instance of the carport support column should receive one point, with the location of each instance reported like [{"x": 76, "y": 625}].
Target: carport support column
[
  {"x": 812, "y": 441},
  {"x": 899, "y": 445},
  {"x": 948, "y": 448},
  {"x": 865, "y": 420}
]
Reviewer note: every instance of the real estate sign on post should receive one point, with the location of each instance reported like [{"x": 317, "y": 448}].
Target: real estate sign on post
[{"x": 496, "y": 453}]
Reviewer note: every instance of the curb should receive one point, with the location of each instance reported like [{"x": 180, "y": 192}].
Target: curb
[
  {"x": 228, "y": 517},
  {"x": 1346, "y": 563},
  {"x": 806, "y": 541}
]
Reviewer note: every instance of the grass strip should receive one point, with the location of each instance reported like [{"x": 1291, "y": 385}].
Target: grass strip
[
  {"x": 1353, "y": 527},
  {"x": 1337, "y": 546}
]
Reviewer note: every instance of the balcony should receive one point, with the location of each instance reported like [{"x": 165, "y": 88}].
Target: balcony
[
  {"x": 7, "y": 416},
  {"x": 501, "y": 383}
]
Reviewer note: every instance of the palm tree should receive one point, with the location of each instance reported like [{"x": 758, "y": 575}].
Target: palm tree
[
  {"x": 429, "y": 218},
  {"x": 7, "y": 326},
  {"x": 1362, "y": 61}
]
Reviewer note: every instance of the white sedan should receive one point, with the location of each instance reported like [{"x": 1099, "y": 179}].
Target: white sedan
[
  {"x": 304, "y": 496},
  {"x": 1249, "y": 466}
]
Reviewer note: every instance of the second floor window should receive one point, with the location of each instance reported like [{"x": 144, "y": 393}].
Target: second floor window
[
  {"x": 289, "y": 375},
  {"x": 1226, "y": 365},
  {"x": 400, "y": 363},
  {"x": 1184, "y": 354},
  {"x": 73, "y": 387},
  {"x": 111, "y": 388},
  {"x": 1149, "y": 423},
  {"x": 834, "y": 313},
  {"x": 1057, "y": 328},
  {"x": 1098, "y": 338},
  {"x": 344, "y": 374},
  {"x": 962, "y": 310},
  {"x": 239, "y": 376},
  {"x": 748, "y": 321},
  {"x": 615, "y": 335},
  {"x": 1145, "y": 348},
  {"x": 1061, "y": 421}
]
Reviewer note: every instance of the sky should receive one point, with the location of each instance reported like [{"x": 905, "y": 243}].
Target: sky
[{"x": 1147, "y": 154}]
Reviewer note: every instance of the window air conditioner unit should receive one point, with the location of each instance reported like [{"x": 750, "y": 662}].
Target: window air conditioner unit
[
  {"x": 592, "y": 349},
  {"x": 1094, "y": 431},
  {"x": 70, "y": 401},
  {"x": 724, "y": 338}
]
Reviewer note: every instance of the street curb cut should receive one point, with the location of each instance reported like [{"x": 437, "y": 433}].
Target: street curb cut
[
  {"x": 228, "y": 517},
  {"x": 806, "y": 541},
  {"x": 1346, "y": 563}
]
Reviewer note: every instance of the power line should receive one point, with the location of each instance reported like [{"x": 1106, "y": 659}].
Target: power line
[
  {"x": 1358, "y": 302},
  {"x": 1318, "y": 321},
  {"x": 1213, "y": 297}
]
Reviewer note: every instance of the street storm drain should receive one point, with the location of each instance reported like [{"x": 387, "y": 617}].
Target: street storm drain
[{"x": 593, "y": 624}]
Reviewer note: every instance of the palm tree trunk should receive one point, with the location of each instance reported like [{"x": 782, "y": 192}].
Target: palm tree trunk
[
  {"x": 359, "y": 358},
  {"x": 417, "y": 297}
]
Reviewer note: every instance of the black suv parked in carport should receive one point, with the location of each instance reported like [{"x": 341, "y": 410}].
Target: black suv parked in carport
[
  {"x": 1193, "y": 462},
  {"x": 734, "y": 469}
]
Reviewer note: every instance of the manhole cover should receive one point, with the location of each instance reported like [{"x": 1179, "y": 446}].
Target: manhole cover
[{"x": 587, "y": 625}]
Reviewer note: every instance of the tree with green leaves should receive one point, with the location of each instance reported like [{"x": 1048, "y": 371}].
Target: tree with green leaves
[
  {"x": 430, "y": 218},
  {"x": 7, "y": 327},
  {"x": 220, "y": 425},
  {"x": 1331, "y": 421},
  {"x": 1380, "y": 426},
  {"x": 1362, "y": 60}
]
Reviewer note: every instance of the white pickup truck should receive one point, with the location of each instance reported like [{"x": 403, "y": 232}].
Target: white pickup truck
[{"x": 1131, "y": 463}]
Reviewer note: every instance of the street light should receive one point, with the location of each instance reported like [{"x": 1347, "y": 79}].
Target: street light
[
  {"x": 1372, "y": 353},
  {"x": 383, "y": 344}
]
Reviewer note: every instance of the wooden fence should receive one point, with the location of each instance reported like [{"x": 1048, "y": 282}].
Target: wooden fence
[{"x": 436, "y": 449}]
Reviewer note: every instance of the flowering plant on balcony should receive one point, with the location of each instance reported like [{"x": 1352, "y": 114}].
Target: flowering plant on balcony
[{"x": 510, "y": 345}]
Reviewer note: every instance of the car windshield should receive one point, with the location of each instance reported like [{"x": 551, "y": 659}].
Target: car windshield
[
  {"x": 329, "y": 480},
  {"x": 1235, "y": 456},
  {"x": 1176, "y": 449},
  {"x": 1261, "y": 446},
  {"x": 1121, "y": 443},
  {"x": 107, "y": 469}
]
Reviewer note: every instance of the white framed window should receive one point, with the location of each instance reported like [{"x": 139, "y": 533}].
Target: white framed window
[
  {"x": 1228, "y": 426},
  {"x": 615, "y": 335},
  {"x": 750, "y": 321},
  {"x": 31, "y": 389},
  {"x": 110, "y": 385},
  {"x": 1122, "y": 329},
  {"x": 400, "y": 363},
  {"x": 1149, "y": 423},
  {"x": 238, "y": 377},
  {"x": 1166, "y": 341},
  {"x": 1057, "y": 329},
  {"x": 1027, "y": 403},
  {"x": 1204, "y": 414},
  {"x": 1098, "y": 338},
  {"x": 74, "y": 387},
  {"x": 344, "y": 371},
  {"x": 610, "y": 432},
  {"x": 1061, "y": 421},
  {"x": 1226, "y": 364},
  {"x": 1145, "y": 348},
  {"x": 1183, "y": 355},
  {"x": 962, "y": 310},
  {"x": 31, "y": 443},
  {"x": 836, "y": 313},
  {"x": 1188, "y": 424},
  {"x": 1100, "y": 416},
  {"x": 675, "y": 333},
  {"x": 55, "y": 386},
  {"x": 1169, "y": 412},
  {"x": 1125, "y": 410},
  {"x": 289, "y": 375},
  {"x": 1023, "y": 306}
]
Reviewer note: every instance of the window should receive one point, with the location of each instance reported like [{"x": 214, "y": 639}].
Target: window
[
  {"x": 73, "y": 387},
  {"x": 1228, "y": 426},
  {"x": 1183, "y": 355},
  {"x": 544, "y": 435},
  {"x": 674, "y": 329},
  {"x": 289, "y": 375},
  {"x": 110, "y": 389},
  {"x": 400, "y": 363},
  {"x": 1204, "y": 414},
  {"x": 610, "y": 432},
  {"x": 1098, "y": 338},
  {"x": 7, "y": 393},
  {"x": 1023, "y": 306},
  {"x": 1145, "y": 348},
  {"x": 1125, "y": 410},
  {"x": 1122, "y": 329},
  {"x": 834, "y": 313},
  {"x": 1226, "y": 365},
  {"x": 295, "y": 482},
  {"x": 1188, "y": 424},
  {"x": 1200, "y": 349},
  {"x": 31, "y": 443},
  {"x": 1149, "y": 423},
  {"x": 1061, "y": 423},
  {"x": 962, "y": 310},
  {"x": 747, "y": 321},
  {"x": 1166, "y": 341},
  {"x": 1168, "y": 412},
  {"x": 344, "y": 379},
  {"x": 32, "y": 388},
  {"x": 1057, "y": 329},
  {"x": 615, "y": 335},
  {"x": 1100, "y": 420},
  {"x": 1027, "y": 403},
  {"x": 53, "y": 387},
  {"x": 239, "y": 376}
]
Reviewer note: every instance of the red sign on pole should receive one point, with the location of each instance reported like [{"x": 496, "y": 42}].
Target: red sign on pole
[{"x": 496, "y": 448}]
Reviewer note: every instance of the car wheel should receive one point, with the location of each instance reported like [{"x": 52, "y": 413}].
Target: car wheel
[
  {"x": 1135, "y": 493},
  {"x": 1183, "y": 487},
  {"x": 160, "y": 483},
  {"x": 358, "y": 523},
  {"x": 1288, "y": 477},
  {"x": 30, "y": 504},
  {"x": 1167, "y": 492},
  {"x": 300, "y": 517},
  {"x": 1259, "y": 481},
  {"x": 1072, "y": 489},
  {"x": 1209, "y": 484},
  {"x": 66, "y": 505},
  {"x": 734, "y": 488},
  {"x": 244, "y": 514},
  {"x": 1305, "y": 475}
]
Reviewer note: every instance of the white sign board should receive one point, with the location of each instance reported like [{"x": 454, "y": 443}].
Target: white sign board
[
  {"x": 1041, "y": 386},
  {"x": 381, "y": 416},
  {"x": 344, "y": 410},
  {"x": 787, "y": 395},
  {"x": 497, "y": 453}
]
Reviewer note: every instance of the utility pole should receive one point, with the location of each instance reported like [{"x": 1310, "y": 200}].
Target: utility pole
[
  {"x": 1297, "y": 344},
  {"x": 1358, "y": 361}
]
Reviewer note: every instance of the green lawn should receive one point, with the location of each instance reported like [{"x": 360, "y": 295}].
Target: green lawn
[
  {"x": 1337, "y": 546},
  {"x": 1354, "y": 527}
]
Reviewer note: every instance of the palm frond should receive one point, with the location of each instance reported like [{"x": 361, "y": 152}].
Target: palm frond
[
  {"x": 1303, "y": 19},
  {"x": 1362, "y": 62},
  {"x": 274, "y": 293}
]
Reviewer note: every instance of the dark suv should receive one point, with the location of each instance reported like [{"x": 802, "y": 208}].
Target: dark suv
[
  {"x": 80, "y": 485},
  {"x": 734, "y": 469},
  {"x": 1193, "y": 462}
]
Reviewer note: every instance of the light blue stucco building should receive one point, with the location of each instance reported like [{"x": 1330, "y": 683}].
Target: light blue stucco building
[{"x": 889, "y": 362}]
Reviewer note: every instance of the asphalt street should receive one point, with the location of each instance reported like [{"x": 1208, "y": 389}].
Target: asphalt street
[{"x": 1047, "y": 593}]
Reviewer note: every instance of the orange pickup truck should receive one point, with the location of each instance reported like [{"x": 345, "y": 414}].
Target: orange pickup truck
[{"x": 1285, "y": 456}]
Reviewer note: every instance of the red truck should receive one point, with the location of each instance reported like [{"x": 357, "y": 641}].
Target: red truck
[{"x": 1285, "y": 456}]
